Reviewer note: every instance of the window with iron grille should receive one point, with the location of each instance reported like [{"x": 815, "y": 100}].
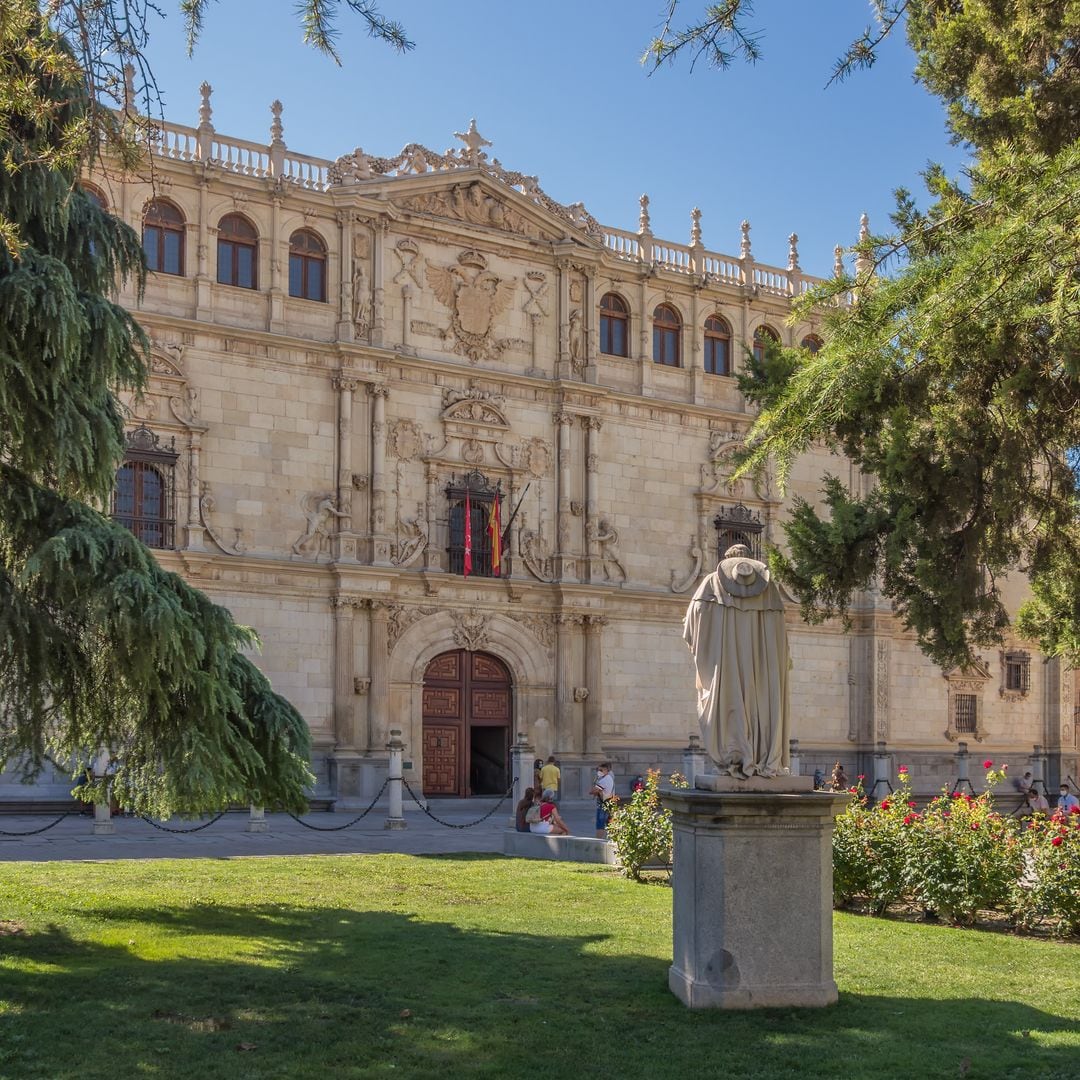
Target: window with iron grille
[
  {"x": 738, "y": 525},
  {"x": 965, "y": 713},
  {"x": 475, "y": 490},
  {"x": 1018, "y": 672},
  {"x": 143, "y": 498}
]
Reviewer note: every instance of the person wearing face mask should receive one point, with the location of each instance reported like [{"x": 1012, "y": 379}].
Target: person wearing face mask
[
  {"x": 1034, "y": 803},
  {"x": 1067, "y": 802}
]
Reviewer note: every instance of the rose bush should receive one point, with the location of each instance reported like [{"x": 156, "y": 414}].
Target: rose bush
[{"x": 640, "y": 828}]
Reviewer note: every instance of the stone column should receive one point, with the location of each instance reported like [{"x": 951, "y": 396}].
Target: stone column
[
  {"x": 344, "y": 546},
  {"x": 433, "y": 554},
  {"x": 594, "y": 680},
  {"x": 697, "y": 349},
  {"x": 203, "y": 301},
  {"x": 592, "y": 331},
  {"x": 345, "y": 297},
  {"x": 743, "y": 938},
  {"x": 566, "y": 569},
  {"x": 563, "y": 369},
  {"x": 275, "y": 316},
  {"x": 256, "y": 819},
  {"x": 645, "y": 359},
  {"x": 569, "y": 737},
  {"x": 406, "y": 315},
  {"x": 345, "y": 734},
  {"x": 378, "y": 670},
  {"x": 194, "y": 535},
  {"x": 380, "y": 542},
  {"x": 378, "y": 270},
  {"x": 592, "y": 425},
  {"x": 521, "y": 756}
]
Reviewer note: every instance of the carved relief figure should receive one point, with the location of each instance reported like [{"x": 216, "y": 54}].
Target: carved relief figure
[
  {"x": 577, "y": 340},
  {"x": 415, "y": 538},
  {"x": 535, "y": 553},
  {"x": 608, "y": 539},
  {"x": 360, "y": 290},
  {"x": 320, "y": 510},
  {"x": 476, "y": 297}
]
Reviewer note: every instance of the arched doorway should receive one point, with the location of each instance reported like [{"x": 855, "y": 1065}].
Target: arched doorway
[{"x": 466, "y": 715}]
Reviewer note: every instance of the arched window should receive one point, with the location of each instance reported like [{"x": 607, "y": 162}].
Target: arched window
[
  {"x": 237, "y": 252},
  {"x": 163, "y": 238},
  {"x": 666, "y": 336},
  {"x": 812, "y": 343},
  {"x": 717, "y": 346},
  {"x": 614, "y": 325},
  {"x": 307, "y": 266},
  {"x": 94, "y": 195},
  {"x": 762, "y": 336},
  {"x": 142, "y": 498}
]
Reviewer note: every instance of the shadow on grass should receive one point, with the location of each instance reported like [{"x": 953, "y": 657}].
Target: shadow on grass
[{"x": 286, "y": 991}]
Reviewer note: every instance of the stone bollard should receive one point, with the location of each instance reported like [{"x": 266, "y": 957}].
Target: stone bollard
[
  {"x": 881, "y": 771},
  {"x": 256, "y": 819},
  {"x": 693, "y": 759},
  {"x": 1037, "y": 766},
  {"x": 521, "y": 756},
  {"x": 103, "y": 823},
  {"x": 796, "y": 757},
  {"x": 962, "y": 757},
  {"x": 394, "y": 817}
]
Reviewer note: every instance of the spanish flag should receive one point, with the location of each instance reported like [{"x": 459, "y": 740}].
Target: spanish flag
[
  {"x": 494, "y": 528},
  {"x": 467, "y": 569}
]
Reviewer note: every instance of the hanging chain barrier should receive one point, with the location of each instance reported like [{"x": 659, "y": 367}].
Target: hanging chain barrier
[
  {"x": 44, "y": 828},
  {"x": 348, "y": 824},
  {"x": 197, "y": 828},
  {"x": 455, "y": 825}
]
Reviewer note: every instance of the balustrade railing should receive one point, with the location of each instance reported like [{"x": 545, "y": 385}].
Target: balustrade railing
[{"x": 623, "y": 245}]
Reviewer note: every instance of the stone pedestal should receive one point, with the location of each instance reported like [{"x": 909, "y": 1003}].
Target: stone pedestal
[{"x": 752, "y": 892}]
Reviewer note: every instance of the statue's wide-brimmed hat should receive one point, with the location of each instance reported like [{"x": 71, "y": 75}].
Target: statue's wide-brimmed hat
[{"x": 741, "y": 574}]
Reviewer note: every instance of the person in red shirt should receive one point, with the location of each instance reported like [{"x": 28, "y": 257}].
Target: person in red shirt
[{"x": 549, "y": 812}]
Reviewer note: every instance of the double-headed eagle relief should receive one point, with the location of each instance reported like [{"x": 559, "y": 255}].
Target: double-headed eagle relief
[{"x": 476, "y": 297}]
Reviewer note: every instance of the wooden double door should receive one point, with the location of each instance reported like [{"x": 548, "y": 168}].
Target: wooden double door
[{"x": 467, "y": 714}]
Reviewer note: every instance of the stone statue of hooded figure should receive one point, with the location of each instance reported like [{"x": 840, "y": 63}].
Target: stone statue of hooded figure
[{"x": 735, "y": 629}]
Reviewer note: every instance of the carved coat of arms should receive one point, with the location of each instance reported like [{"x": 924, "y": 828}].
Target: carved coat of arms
[{"x": 476, "y": 297}]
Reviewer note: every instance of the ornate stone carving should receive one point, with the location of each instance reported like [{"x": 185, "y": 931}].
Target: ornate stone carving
[
  {"x": 576, "y": 340},
  {"x": 206, "y": 507},
  {"x": 540, "y": 626},
  {"x": 535, "y": 552},
  {"x": 473, "y": 407},
  {"x": 605, "y": 535},
  {"x": 320, "y": 511},
  {"x": 405, "y": 440},
  {"x": 536, "y": 286},
  {"x": 581, "y": 693},
  {"x": 412, "y": 269},
  {"x": 361, "y": 292},
  {"x": 472, "y": 204},
  {"x": 400, "y": 619},
  {"x": 697, "y": 558},
  {"x": 471, "y": 630},
  {"x": 536, "y": 457},
  {"x": 416, "y": 159},
  {"x": 476, "y": 297},
  {"x": 361, "y": 685},
  {"x": 881, "y": 689},
  {"x": 969, "y": 680},
  {"x": 413, "y": 539},
  {"x": 472, "y": 451}
]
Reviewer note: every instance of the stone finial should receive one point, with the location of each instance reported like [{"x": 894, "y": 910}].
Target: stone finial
[
  {"x": 838, "y": 261},
  {"x": 864, "y": 263},
  {"x": 129, "y": 87},
  {"x": 744, "y": 245},
  {"x": 205, "y": 110},
  {"x": 473, "y": 141},
  {"x": 695, "y": 227},
  {"x": 793, "y": 253},
  {"x": 643, "y": 215},
  {"x": 277, "y": 129}
]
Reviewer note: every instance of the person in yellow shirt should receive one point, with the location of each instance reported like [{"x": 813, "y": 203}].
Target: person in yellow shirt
[{"x": 550, "y": 775}]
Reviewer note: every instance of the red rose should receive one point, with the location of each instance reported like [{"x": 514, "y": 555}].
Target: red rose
[
  {"x": 912, "y": 805},
  {"x": 861, "y": 776},
  {"x": 988, "y": 764},
  {"x": 974, "y": 824},
  {"x": 1056, "y": 841},
  {"x": 909, "y": 818},
  {"x": 1074, "y": 809},
  {"x": 902, "y": 768},
  {"x": 884, "y": 804}
]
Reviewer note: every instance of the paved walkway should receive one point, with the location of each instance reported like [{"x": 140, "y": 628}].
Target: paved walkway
[{"x": 73, "y": 838}]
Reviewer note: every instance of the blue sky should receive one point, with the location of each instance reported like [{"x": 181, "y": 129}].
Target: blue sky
[{"x": 559, "y": 90}]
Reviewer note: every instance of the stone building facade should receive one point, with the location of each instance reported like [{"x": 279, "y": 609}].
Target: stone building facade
[{"x": 347, "y": 354}]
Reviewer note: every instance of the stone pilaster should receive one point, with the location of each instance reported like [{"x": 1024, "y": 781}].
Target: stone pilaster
[
  {"x": 345, "y": 296},
  {"x": 378, "y": 671},
  {"x": 569, "y": 734},
  {"x": 345, "y": 733},
  {"x": 433, "y": 554},
  {"x": 592, "y": 425},
  {"x": 380, "y": 541},
  {"x": 194, "y": 534},
  {"x": 565, "y": 563},
  {"x": 378, "y": 283},
  {"x": 278, "y": 245},
  {"x": 594, "y": 681},
  {"x": 345, "y": 539}
]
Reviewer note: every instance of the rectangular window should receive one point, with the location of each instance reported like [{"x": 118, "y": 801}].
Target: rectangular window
[
  {"x": 143, "y": 495},
  {"x": 481, "y": 495},
  {"x": 296, "y": 275},
  {"x": 716, "y": 356},
  {"x": 1017, "y": 672},
  {"x": 171, "y": 264},
  {"x": 965, "y": 713}
]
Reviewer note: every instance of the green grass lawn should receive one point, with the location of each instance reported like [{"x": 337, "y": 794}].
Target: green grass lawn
[{"x": 367, "y": 966}]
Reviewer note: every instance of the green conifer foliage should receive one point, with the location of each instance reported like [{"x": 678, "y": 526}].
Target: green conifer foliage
[{"x": 100, "y": 648}]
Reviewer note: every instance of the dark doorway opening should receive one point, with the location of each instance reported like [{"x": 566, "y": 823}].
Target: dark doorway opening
[{"x": 487, "y": 765}]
